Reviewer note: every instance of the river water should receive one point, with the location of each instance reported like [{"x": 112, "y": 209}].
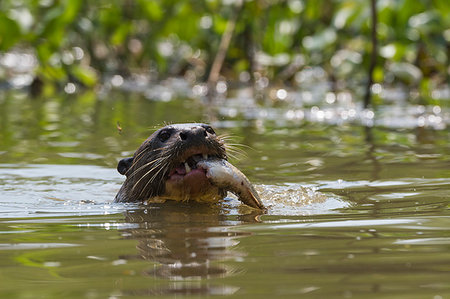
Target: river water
[{"x": 358, "y": 201}]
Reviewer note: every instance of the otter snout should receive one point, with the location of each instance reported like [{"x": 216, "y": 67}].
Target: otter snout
[{"x": 193, "y": 133}]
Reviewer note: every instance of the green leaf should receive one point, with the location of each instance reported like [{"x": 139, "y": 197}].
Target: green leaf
[
  {"x": 151, "y": 9},
  {"x": 119, "y": 36},
  {"x": 10, "y": 32},
  {"x": 85, "y": 74}
]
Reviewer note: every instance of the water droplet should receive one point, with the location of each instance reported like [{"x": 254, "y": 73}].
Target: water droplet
[
  {"x": 206, "y": 22},
  {"x": 78, "y": 53},
  {"x": 330, "y": 98},
  {"x": 377, "y": 88},
  {"x": 282, "y": 94},
  {"x": 221, "y": 87},
  {"x": 70, "y": 88},
  {"x": 437, "y": 109},
  {"x": 117, "y": 80}
]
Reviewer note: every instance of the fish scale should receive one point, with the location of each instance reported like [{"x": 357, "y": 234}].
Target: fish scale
[{"x": 224, "y": 175}]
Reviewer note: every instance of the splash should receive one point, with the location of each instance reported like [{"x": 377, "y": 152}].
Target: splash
[{"x": 296, "y": 199}]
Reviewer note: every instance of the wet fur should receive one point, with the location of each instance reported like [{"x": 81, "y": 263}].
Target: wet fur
[{"x": 150, "y": 166}]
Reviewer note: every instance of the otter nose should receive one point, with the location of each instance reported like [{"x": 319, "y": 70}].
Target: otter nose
[{"x": 193, "y": 133}]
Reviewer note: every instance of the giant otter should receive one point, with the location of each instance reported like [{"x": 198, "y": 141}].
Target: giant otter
[{"x": 183, "y": 162}]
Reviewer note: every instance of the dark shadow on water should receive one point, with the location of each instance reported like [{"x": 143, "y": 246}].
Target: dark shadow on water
[
  {"x": 185, "y": 242},
  {"x": 376, "y": 166}
]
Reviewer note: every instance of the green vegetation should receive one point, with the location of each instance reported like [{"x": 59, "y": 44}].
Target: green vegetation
[{"x": 84, "y": 41}]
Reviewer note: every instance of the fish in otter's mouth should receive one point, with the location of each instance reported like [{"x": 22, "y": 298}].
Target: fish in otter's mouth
[{"x": 183, "y": 162}]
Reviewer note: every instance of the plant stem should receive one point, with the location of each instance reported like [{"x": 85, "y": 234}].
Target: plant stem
[
  {"x": 374, "y": 54},
  {"x": 223, "y": 49}
]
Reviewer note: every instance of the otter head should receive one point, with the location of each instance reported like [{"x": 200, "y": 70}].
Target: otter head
[{"x": 165, "y": 165}]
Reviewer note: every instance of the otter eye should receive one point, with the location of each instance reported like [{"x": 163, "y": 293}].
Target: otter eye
[
  {"x": 163, "y": 136},
  {"x": 210, "y": 130}
]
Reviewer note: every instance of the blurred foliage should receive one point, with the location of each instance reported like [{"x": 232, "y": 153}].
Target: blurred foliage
[{"x": 76, "y": 40}]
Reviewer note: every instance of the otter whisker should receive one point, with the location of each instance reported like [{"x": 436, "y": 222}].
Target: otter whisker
[
  {"x": 141, "y": 155},
  {"x": 157, "y": 165},
  {"x": 136, "y": 171},
  {"x": 235, "y": 152},
  {"x": 138, "y": 155},
  {"x": 150, "y": 181},
  {"x": 233, "y": 156},
  {"x": 225, "y": 135},
  {"x": 144, "y": 168}
]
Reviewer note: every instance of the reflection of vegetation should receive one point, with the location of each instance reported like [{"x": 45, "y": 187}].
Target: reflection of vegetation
[
  {"x": 76, "y": 40},
  {"x": 64, "y": 129}
]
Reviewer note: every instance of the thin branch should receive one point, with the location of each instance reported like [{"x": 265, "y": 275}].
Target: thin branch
[
  {"x": 374, "y": 54},
  {"x": 223, "y": 49}
]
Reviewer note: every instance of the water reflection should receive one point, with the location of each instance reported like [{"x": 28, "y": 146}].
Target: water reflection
[
  {"x": 370, "y": 154},
  {"x": 185, "y": 243}
]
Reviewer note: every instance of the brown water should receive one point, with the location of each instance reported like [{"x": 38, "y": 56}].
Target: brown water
[{"x": 353, "y": 211}]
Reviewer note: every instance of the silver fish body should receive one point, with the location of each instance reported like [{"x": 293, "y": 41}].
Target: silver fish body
[{"x": 223, "y": 174}]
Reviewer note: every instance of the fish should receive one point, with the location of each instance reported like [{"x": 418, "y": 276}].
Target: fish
[{"x": 223, "y": 174}]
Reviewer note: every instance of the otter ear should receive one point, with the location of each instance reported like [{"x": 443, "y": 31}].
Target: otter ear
[{"x": 124, "y": 165}]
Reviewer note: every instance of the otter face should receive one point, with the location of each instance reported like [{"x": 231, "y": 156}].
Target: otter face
[{"x": 165, "y": 165}]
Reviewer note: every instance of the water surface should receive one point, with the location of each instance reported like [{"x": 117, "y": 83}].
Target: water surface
[{"x": 354, "y": 211}]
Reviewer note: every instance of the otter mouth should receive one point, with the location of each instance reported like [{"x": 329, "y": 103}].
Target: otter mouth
[
  {"x": 189, "y": 167},
  {"x": 187, "y": 180}
]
